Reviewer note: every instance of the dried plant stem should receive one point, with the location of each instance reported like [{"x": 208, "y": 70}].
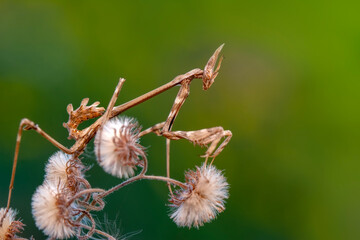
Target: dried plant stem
[
  {"x": 145, "y": 166},
  {"x": 131, "y": 180},
  {"x": 90, "y": 207},
  {"x": 87, "y": 186},
  {"x": 140, "y": 177},
  {"x": 91, "y": 229},
  {"x": 165, "y": 179},
  {"x": 123, "y": 184},
  {"x": 99, "y": 232},
  {"x": 168, "y": 165},
  {"x": 86, "y": 191}
]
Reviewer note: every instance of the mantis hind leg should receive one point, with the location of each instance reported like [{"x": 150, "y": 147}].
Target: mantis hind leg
[{"x": 26, "y": 124}]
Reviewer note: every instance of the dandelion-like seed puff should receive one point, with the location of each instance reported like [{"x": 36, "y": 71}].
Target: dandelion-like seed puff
[
  {"x": 51, "y": 212},
  {"x": 203, "y": 198},
  {"x": 9, "y": 226},
  {"x": 117, "y": 147},
  {"x": 59, "y": 168}
]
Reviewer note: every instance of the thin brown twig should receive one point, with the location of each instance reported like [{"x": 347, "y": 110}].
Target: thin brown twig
[
  {"x": 140, "y": 177},
  {"x": 86, "y": 191},
  {"x": 168, "y": 165},
  {"x": 100, "y": 232},
  {"x": 91, "y": 229}
]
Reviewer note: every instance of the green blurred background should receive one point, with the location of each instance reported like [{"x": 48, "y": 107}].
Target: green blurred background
[{"x": 288, "y": 90}]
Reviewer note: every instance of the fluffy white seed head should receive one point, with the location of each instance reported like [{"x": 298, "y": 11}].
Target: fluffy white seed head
[
  {"x": 10, "y": 226},
  {"x": 50, "y": 211},
  {"x": 56, "y": 168},
  {"x": 117, "y": 147},
  {"x": 63, "y": 169},
  {"x": 203, "y": 198}
]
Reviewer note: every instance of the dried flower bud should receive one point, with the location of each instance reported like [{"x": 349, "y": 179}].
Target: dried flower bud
[
  {"x": 117, "y": 147},
  {"x": 51, "y": 211},
  {"x": 203, "y": 198},
  {"x": 10, "y": 226}
]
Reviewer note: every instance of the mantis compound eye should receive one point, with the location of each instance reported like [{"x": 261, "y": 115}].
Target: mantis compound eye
[{"x": 117, "y": 147}]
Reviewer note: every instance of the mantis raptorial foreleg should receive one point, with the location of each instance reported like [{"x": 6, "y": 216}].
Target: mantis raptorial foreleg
[{"x": 204, "y": 137}]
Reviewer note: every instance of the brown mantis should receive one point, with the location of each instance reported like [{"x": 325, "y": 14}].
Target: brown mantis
[
  {"x": 201, "y": 137},
  {"x": 210, "y": 136}
]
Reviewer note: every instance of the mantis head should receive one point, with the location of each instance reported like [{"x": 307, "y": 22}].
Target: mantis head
[{"x": 209, "y": 73}]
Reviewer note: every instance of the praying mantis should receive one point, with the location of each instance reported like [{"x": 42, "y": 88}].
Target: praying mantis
[{"x": 210, "y": 137}]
